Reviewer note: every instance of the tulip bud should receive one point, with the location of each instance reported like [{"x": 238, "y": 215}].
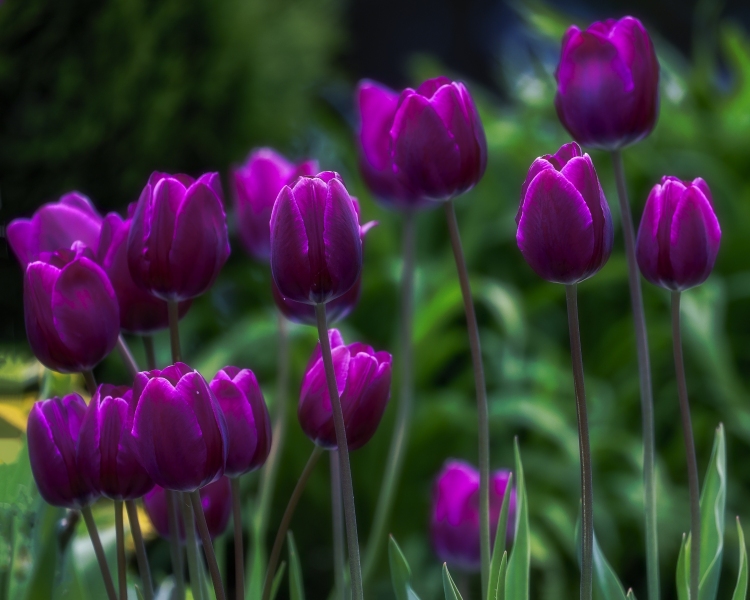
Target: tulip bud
[
  {"x": 257, "y": 184},
  {"x": 70, "y": 309},
  {"x": 455, "y": 513},
  {"x": 107, "y": 456},
  {"x": 179, "y": 428},
  {"x": 363, "y": 378},
  {"x": 52, "y": 434},
  {"x": 608, "y": 84},
  {"x": 216, "y": 500},
  {"x": 54, "y": 226},
  {"x": 679, "y": 234},
  {"x": 564, "y": 225},
  {"x": 178, "y": 240},
  {"x": 248, "y": 422},
  {"x": 316, "y": 250}
]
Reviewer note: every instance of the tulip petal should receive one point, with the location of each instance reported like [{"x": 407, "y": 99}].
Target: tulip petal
[
  {"x": 341, "y": 236},
  {"x": 290, "y": 265},
  {"x": 377, "y": 109}
]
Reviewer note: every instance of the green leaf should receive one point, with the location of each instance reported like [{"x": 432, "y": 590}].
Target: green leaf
[
  {"x": 606, "y": 578},
  {"x": 631, "y": 595},
  {"x": 277, "y": 579},
  {"x": 682, "y": 576},
  {"x": 713, "y": 503},
  {"x": 400, "y": 572},
  {"x": 46, "y": 552},
  {"x": 449, "y": 586},
  {"x": 296, "y": 585},
  {"x": 517, "y": 581},
  {"x": 501, "y": 578},
  {"x": 740, "y": 591},
  {"x": 498, "y": 551},
  {"x": 139, "y": 593}
]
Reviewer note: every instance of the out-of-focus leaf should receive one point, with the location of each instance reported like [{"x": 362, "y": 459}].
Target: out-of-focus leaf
[
  {"x": 296, "y": 583},
  {"x": 740, "y": 590},
  {"x": 631, "y": 595},
  {"x": 498, "y": 550},
  {"x": 400, "y": 572},
  {"x": 682, "y": 577},
  {"x": 278, "y": 578},
  {"x": 713, "y": 502},
  {"x": 517, "y": 578},
  {"x": 449, "y": 587},
  {"x": 46, "y": 554},
  {"x": 606, "y": 578},
  {"x": 139, "y": 593}
]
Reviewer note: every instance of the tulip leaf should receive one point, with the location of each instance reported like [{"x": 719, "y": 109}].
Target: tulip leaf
[
  {"x": 139, "y": 593},
  {"x": 400, "y": 572},
  {"x": 277, "y": 579},
  {"x": 740, "y": 591},
  {"x": 500, "y": 590},
  {"x": 46, "y": 552},
  {"x": 449, "y": 586},
  {"x": 713, "y": 503},
  {"x": 517, "y": 579},
  {"x": 498, "y": 551},
  {"x": 683, "y": 576},
  {"x": 606, "y": 578},
  {"x": 296, "y": 585},
  {"x": 631, "y": 595}
]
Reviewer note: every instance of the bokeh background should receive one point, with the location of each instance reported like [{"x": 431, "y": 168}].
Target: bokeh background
[{"x": 96, "y": 95}]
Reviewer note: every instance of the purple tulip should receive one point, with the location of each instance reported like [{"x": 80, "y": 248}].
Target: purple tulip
[
  {"x": 179, "y": 428},
  {"x": 70, "y": 309},
  {"x": 608, "y": 84},
  {"x": 216, "y": 499},
  {"x": 52, "y": 434},
  {"x": 679, "y": 234},
  {"x": 54, "y": 226},
  {"x": 178, "y": 240},
  {"x": 564, "y": 224},
  {"x": 455, "y": 513},
  {"x": 248, "y": 422},
  {"x": 363, "y": 377},
  {"x": 257, "y": 184},
  {"x": 140, "y": 311},
  {"x": 316, "y": 250},
  {"x": 427, "y": 143}
]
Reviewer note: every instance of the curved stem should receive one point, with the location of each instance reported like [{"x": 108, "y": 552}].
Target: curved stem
[
  {"x": 175, "y": 548},
  {"x": 397, "y": 450},
  {"x": 148, "y": 347},
  {"x": 208, "y": 546},
  {"x": 174, "y": 330},
  {"x": 337, "y": 515},
  {"x": 193, "y": 556},
  {"x": 587, "y": 492},
  {"x": 127, "y": 356},
  {"x": 481, "y": 389},
  {"x": 140, "y": 550},
  {"x": 122, "y": 576},
  {"x": 692, "y": 462},
  {"x": 90, "y": 380},
  {"x": 239, "y": 558},
  {"x": 644, "y": 371},
  {"x": 99, "y": 551},
  {"x": 273, "y": 559}
]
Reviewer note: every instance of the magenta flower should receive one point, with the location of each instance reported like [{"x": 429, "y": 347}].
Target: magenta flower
[
  {"x": 52, "y": 433},
  {"x": 179, "y": 428},
  {"x": 455, "y": 513},
  {"x": 316, "y": 250},
  {"x": 107, "y": 455},
  {"x": 54, "y": 226},
  {"x": 70, "y": 309},
  {"x": 178, "y": 239},
  {"x": 248, "y": 422},
  {"x": 564, "y": 225},
  {"x": 363, "y": 377},
  {"x": 608, "y": 84},
  {"x": 257, "y": 184},
  {"x": 679, "y": 234}
]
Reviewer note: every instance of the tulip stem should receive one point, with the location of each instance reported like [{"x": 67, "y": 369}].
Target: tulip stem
[
  {"x": 90, "y": 380},
  {"x": 99, "y": 551},
  {"x": 208, "y": 546},
  {"x": 347, "y": 487},
  {"x": 397, "y": 450},
  {"x": 481, "y": 390},
  {"x": 122, "y": 576},
  {"x": 127, "y": 356},
  {"x": 239, "y": 558},
  {"x": 191, "y": 540},
  {"x": 692, "y": 462},
  {"x": 175, "y": 548},
  {"x": 339, "y": 556},
  {"x": 587, "y": 492},
  {"x": 140, "y": 550},
  {"x": 148, "y": 347},
  {"x": 273, "y": 559},
  {"x": 173, "y": 310},
  {"x": 644, "y": 371}
]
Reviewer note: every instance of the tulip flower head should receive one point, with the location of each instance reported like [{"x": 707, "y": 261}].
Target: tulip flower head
[
  {"x": 455, "y": 513},
  {"x": 608, "y": 84},
  {"x": 52, "y": 431},
  {"x": 565, "y": 228},
  {"x": 363, "y": 377},
  {"x": 70, "y": 309},
  {"x": 679, "y": 234}
]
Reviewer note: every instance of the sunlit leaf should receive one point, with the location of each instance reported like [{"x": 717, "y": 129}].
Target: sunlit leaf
[
  {"x": 740, "y": 590},
  {"x": 296, "y": 583},
  {"x": 449, "y": 586},
  {"x": 498, "y": 550},
  {"x": 517, "y": 578}
]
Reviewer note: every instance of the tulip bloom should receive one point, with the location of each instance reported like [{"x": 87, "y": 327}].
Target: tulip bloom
[
  {"x": 316, "y": 249},
  {"x": 70, "y": 309},
  {"x": 216, "y": 499},
  {"x": 363, "y": 377},
  {"x": 52, "y": 432},
  {"x": 608, "y": 84},
  {"x": 179, "y": 428},
  {"x": 107, "y": 456},
  {"x": 248, "y": 422},
  {"x": 679, "y": 234},
  {"x": 257, "y": 184},
  {"x": 455, "y": 513},
  {"x": 54, "y": 226},
  {"x": 178, "y": 240},
  {"x": 564, "y": 225}
]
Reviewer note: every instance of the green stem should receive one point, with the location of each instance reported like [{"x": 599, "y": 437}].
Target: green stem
[
  {"x": 127, "y": 356},
  {"x": 140, "y": 550},
  {"x": 90, "y": 380},
  {"x": 122, "y": 576},
  {"x": 481, "y": 390},
  {"x": 587, "y": 492},
  {"x": 175, "y": 549},
  {"x": 148, "y": 347},
  {"x": 337, "y": 515},
  {"x": 208, "y": 546},
  {"x": 173, "y": 310},
  {"x": 397, "y": 450},
  {"x": 239, "y": 559},
  {"x": 692, "y": 462},
  {"x": 644, "y": 371},
  {"x": 191, "y": 540},
  {"x": 99, "y": 551}
]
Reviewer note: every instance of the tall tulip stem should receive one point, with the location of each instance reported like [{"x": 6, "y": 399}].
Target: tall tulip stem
[
  {"x": 587, "y": 491},
  {"x": 127, "y": 356},
  {"x": 347, "y": 487},
  {"x": 122, "y": 576},
  {"x": 481, "y": 391},
  {"x": 208, "y": 546},
  {"x": 173, "y": 310},
  {"x": 337, "y": 516},
  {"x": 644, "y": 371},
  {"x": 175, "y": 549},
  {"x": 191, "y": 542},
  {"x": 99, "y": 552},
  {"x": 148, "y": 348},
  {"x": 692, "y": 462},
  {"x": 239, "y": 555},
  {"x": 90, "y": 380},
  {"x": 140, "y": 550}
]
